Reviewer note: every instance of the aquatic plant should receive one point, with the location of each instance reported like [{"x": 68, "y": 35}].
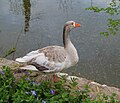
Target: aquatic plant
[{"x": 26, "y": 90}]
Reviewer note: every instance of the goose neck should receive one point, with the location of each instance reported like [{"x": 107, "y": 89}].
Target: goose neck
[{"x": 66, "y": 36}]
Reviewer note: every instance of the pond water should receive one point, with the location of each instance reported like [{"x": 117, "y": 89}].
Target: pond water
[{"x": 32, "y": 24}]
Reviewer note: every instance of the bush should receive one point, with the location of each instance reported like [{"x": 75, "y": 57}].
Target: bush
[{"x": 27, "y": 91}]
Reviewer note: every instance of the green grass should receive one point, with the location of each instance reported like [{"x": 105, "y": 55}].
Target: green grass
[{"x": 26, "y": 90}]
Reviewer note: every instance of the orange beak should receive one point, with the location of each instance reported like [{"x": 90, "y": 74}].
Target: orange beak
[{"x": 77, "y": 25}]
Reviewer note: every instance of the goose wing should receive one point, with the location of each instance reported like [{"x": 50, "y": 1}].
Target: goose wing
[{"x": 48, "y": 59}]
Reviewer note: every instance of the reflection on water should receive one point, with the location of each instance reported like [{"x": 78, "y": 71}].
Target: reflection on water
[
  {"x": 27, "y": 13},
  {"x": 65, "y": 4},
  {"x": 15, "y": 6},
  {"x": 22, "y": 7},
  {"x": 91, "y": 3},
  {"x": 99, "y": 56}
]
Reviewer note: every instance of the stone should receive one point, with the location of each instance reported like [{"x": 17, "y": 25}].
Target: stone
[{"x": 95, "y": 88}]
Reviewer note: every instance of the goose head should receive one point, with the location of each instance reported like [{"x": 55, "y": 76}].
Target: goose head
[{"x": 69, "y": 25}]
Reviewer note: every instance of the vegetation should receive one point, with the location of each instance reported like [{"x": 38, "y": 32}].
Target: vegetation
[
  {"x": 28, "y": 91},
  {"x": 113, "y": 10}
]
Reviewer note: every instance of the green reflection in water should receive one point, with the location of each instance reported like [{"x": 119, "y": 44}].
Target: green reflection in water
[{"x": 27, "y": 13}]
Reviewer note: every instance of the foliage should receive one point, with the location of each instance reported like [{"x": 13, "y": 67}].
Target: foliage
[
  {"x": 27, "y": 91},
  {"x": 7, "y": 85},
  {"x": 113, "y": 9}
]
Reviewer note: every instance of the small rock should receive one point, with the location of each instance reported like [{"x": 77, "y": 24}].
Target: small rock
[{"x": 34, "y": 74}]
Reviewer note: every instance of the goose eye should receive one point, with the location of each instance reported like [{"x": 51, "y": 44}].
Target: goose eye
[{"x": 73, "y": 24}]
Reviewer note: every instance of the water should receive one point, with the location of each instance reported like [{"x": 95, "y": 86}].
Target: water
[{"x": 33, "y": 24}]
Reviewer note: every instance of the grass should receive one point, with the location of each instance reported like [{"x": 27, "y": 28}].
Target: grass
[{"x": 26, "y": 90}]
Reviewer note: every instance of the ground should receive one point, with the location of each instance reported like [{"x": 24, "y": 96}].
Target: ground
[{"x": 95, "y": 88}]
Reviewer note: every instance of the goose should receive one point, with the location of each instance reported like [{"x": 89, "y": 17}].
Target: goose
[{"x": 53, "y": 59}]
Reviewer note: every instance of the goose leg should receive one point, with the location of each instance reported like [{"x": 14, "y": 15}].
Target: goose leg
[{"x": 55, "y": 78}]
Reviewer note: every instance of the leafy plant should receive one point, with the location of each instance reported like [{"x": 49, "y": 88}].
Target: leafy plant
[
  {"x": 7, "y": 85},
  {"x": 113, "y": 10},
  {"x": 26, "y": 90}
]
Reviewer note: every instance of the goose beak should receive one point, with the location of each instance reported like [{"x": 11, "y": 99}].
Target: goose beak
[{"x": 77, "y": 25}]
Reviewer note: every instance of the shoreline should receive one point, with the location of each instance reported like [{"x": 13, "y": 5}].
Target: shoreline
[{"x": 95, "y": 88}]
